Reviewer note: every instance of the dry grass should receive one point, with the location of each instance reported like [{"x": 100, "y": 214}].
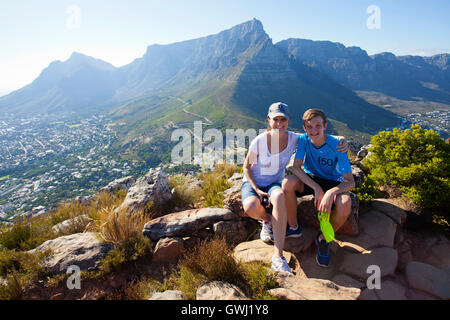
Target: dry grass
[{"x": 213, "y": 261}]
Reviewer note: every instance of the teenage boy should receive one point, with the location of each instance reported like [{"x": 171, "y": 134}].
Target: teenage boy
[{"x": 327, "y": 174}]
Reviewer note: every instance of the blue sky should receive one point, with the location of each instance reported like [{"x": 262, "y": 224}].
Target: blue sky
[{"x": 35, "y": 33}]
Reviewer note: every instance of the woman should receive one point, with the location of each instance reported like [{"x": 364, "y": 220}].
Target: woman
[{"x": 264, "y": 168}]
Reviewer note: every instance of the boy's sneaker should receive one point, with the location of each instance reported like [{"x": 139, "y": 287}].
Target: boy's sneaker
[
  {"x": 290, "y": 233},
  {"x": 323, "y": 252},
  {"x": 279, "y": 264},
  {"x": 293, "y": 233},
  {"x": 266, "y": 231}
]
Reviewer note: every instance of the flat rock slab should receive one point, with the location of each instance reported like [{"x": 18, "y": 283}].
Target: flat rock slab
[
  {"x": 391, "y": 210},
  {"x": 81, "y": 249},
  {"x": 218, "y": 290},
  {"x": 375, "y": 230},
  {"x": 185, "y": 223},
  {"x": 168, "y": 250},
  {"x": 294, "y": 288},
  {"x": 356, "y": 264},
  {"x": 168, "y": 295},
  {"x": 256, "y": 250},
  {"x": 429, "y": 279},
  {"x": 390, "y": 290}
]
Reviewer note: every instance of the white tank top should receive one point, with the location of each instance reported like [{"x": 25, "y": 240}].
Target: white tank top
[{"x": 270, "y": 168}]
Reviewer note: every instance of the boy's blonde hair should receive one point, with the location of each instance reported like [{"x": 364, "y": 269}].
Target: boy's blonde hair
[{"x": 312, "y": 113}]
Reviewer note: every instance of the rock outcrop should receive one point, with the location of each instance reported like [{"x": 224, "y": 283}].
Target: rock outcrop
[
  {"x": 186, "y": 223},
  {"x": 151, "y": 189},
  {"x": 219, "y": 290},
  {"x": 84, "y": 250},
  {"x": 294, "y": 288}
]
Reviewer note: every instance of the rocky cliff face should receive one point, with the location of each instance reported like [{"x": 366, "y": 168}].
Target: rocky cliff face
[{"x": 402, "y": 77}]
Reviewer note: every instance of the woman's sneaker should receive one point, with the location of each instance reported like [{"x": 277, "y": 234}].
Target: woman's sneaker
[
  {"x": 266, "y": 231},
  {"x": 279, "y": 264},
  {"x": 293, "y": 233},
  {"x": 323, "y": 252}
]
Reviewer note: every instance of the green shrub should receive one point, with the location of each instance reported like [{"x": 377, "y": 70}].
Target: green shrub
[
  {"x": 367, "y": 191},
  {"x": 129, "y": 250},
  {"x": 415, "y": 160},
  {"x": 20, "y": 270}
]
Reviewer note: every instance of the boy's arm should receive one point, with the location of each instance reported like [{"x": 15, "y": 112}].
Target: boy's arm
[{"x": 329, "y": 196}]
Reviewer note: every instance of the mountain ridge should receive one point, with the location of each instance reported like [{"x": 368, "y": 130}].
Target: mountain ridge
[{"x": 234, "y": 74}]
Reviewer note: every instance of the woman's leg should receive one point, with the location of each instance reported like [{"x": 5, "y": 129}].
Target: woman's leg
[
  {"x": 253, "y": 208},
  {"x": 279, "y": 219}
]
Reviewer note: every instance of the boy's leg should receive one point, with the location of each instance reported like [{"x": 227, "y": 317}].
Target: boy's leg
[
  {"x": 291, "y": 185},
  {"x": 342, "y": 210}
]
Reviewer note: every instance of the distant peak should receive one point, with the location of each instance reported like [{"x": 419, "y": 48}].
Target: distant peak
[{"x": 253, "y": 25}]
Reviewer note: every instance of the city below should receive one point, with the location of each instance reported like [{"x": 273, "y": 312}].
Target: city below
[{"x": 45, "y": 159}]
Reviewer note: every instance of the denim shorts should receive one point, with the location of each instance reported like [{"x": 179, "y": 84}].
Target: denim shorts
[{"x": 247, "y": 190}]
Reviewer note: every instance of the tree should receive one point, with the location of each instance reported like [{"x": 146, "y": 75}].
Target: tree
[{"x": 415, "y": 160}]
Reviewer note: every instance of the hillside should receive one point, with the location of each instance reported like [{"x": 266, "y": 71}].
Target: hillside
[{"x": 230, "y": 77}]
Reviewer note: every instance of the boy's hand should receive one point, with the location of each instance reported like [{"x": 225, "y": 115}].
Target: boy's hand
[
  {"x": 343, "y": 145},
  {"x": 318, "y": 195},
  {"x": 327, "y": 202}
]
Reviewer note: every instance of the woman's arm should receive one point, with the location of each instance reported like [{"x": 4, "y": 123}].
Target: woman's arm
[{"x": 249, "y": 160}]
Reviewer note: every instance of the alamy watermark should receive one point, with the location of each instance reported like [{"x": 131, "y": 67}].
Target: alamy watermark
[
  {"x": 73, "y": 21},
  {"x": 374, "y": 280},
  {"x": 373, "y": 22},
  {"x": 74, "y": 280},
  {"x": 210, "y": 148}
]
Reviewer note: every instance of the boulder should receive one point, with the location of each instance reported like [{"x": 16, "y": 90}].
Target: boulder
[
  {"x": 168, "y": 295},
  {"x": 256, "y": 250},
  {"x": 307, "y": 214},
  {"x": 429, "y": 279},
  {"x": 347, "y": 281},
  {"x": 386, "y": 207},
  {"x": 356, "y": 264},
  {"x": 391, "y": 290},
  {"x": 168, "y": 250},
  {"x": 295, "y": 288},
  {"x": 152, "y": 188},
  {"x": 376, "y": 230},
  {"x": 185, "y": 223},
  {"x": 81, "y": 249},
  {"x": 358, "y": 176},
  {"x": 218, "y": 290},
  {"x": 119, "y": 184},
  {"x": 234, "y": 231},
  {"x": 66, "y": 227},
  {"x": 232, "y": 196}
]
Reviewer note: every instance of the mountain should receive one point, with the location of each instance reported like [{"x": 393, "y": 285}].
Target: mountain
[
  {"x": 231, "y": 78},
  {"x": 76, "y": 85},
  {"x": 404, "y": 78}
]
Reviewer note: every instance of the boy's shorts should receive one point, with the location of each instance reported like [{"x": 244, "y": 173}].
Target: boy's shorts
[
  {"x": 247, "y": 190},
  {"x": 325, "y": 184}
]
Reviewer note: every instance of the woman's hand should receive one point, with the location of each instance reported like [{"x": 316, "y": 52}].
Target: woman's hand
[
  {"x": 261, "y": 194},
  {"x": 343, "y": 145}
]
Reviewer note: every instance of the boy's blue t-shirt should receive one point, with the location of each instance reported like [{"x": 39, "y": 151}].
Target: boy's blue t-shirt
[{"x": 324, "y": 161}]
